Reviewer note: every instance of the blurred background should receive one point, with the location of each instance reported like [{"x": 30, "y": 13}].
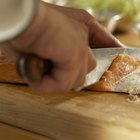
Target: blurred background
[{"x": 115, "y": 15}]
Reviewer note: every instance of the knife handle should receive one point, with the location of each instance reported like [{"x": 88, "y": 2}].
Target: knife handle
[{"x": 32, "y": 68}]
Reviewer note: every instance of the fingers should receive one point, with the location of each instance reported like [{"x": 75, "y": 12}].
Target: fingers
[
  {"x": 89, "y": 65},
  {"x": 60, "y": 81},
  {"x": 64, "y": 79}
]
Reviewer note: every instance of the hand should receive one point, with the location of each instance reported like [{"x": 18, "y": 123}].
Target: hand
[{"x": 64, "y": 36}]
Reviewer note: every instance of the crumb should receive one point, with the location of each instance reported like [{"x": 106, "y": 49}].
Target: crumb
[{"x": 134, "y": 99}]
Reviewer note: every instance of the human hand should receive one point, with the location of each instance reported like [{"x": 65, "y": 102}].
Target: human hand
[
  {"x": 98, "y": 36},
  {"x": 63, "y": 35}
]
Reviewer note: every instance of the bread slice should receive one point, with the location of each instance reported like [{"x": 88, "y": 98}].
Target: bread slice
[{"x": 120, "y": 68}]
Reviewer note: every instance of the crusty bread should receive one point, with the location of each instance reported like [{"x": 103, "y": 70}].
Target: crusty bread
[
  {"x": 8, "y": 71},
  {"x": 121, "y": 66}
]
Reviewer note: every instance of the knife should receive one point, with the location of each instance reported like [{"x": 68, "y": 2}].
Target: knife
[
  {"x": 104, "y": 58},
  {"x": 32, "y": 68}
]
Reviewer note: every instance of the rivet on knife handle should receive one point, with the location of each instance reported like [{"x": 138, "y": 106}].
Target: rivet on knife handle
[{"x": 32, "y": 68}]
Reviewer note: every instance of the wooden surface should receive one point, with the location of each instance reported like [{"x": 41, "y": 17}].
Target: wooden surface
[
  {"x": 8, "y": 132},
  {"x": 71, "y": 116}
]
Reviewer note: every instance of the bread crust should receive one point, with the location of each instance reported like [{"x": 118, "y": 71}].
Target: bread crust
[
  {"x": 8, "y": 71},
  {"x": 121, "y": 66}
]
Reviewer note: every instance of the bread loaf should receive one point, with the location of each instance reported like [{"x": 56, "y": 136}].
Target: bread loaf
[{"x": 8, "y": 71}]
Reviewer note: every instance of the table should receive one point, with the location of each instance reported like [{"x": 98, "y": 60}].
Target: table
[{"x": 9, "y": 132}]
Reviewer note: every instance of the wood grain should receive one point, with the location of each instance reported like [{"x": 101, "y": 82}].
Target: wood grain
[
  {"x": 71, "y": 116},
  {"x": 8, "y": 132}
]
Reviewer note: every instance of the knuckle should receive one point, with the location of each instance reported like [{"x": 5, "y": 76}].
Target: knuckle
[
  {"x": 84, "y": 12},
  {"x": 86, "y": 15}
]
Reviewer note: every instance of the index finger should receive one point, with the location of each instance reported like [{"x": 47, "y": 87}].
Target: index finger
[{"x": 99, "y": 37}]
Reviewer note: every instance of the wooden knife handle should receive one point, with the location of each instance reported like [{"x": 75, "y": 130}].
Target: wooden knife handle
[{"x": 32, "y": 68}]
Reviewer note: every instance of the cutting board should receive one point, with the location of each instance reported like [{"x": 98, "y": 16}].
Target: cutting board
[
  {"x": 81, "y": 115},
  {"x": 8, "y": 132}
]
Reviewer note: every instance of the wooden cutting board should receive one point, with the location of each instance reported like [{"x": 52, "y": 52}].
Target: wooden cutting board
[
  {"x": 71, "y": 116},
  {"x": 8, "y": 132}
]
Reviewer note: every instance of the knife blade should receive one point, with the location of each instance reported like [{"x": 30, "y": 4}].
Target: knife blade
[
  {"x": 32, "y": 68},
  {"x": 104, "y": 58}
]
